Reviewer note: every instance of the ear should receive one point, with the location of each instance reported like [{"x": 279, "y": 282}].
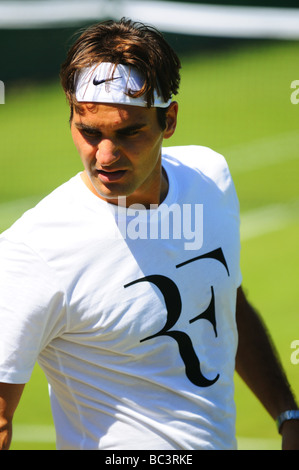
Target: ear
[{"x": 171, "y": 120}]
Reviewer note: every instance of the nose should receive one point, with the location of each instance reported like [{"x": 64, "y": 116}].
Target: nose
[{"x": 107, "y": 153}]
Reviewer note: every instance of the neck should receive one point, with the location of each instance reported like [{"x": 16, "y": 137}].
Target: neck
[{"x": 154, "y": 197}]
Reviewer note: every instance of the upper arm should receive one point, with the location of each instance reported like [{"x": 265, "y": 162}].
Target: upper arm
[
  {"x": 32, "y": 309},
  {"x": 249, "y": 328},
  {"x": 244, "y": 310},
  {"x": 241, "y": 300}
]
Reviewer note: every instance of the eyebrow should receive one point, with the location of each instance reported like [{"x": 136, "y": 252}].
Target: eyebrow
[{"x": 94, "y": 129}]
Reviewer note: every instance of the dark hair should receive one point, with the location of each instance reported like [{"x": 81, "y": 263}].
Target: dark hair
[{"x": 128, "y": 43}]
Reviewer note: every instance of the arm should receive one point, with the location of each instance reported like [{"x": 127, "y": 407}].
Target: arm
[
  {"x": 259, "y": 367},
  {"x": 10, "y": 395}
]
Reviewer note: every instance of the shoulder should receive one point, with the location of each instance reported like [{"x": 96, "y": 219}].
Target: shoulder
[{"x": 202, "y": 160}]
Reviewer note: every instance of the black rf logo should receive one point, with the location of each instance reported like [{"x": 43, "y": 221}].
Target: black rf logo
[{"x": 173, "y": 304}]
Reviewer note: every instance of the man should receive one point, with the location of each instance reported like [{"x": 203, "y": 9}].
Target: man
[{"x": 134, "y": 323}]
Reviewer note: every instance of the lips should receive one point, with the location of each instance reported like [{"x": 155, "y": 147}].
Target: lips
[{"x": 109, "y": 176}]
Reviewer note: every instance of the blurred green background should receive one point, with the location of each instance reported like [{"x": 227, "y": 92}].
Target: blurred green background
[{"x": 235, "y": 97}]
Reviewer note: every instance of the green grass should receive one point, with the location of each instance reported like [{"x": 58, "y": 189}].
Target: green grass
[
  {"x": 36, "y": 148},
  {"x": 235, "y": 101}
]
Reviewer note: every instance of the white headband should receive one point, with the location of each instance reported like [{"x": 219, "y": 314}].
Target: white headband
[{"x": 95, "y": 84}]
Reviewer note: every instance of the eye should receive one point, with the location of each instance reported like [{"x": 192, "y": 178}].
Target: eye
[
  {"x": 90, "y": 134},
  {"x": 130, "y": 132},
  {"x": 133, "y": 131}
]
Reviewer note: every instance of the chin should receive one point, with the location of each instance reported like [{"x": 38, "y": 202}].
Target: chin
[{"x": 111, "y": 194}]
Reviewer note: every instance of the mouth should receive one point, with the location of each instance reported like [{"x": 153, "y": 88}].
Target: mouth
[{"x": 110, "y": 176}]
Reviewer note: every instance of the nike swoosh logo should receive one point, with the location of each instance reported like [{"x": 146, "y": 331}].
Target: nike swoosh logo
[{"x": 99, "y": 82}]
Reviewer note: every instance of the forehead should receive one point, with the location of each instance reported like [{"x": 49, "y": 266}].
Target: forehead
[{"x": 110, "y": 114}]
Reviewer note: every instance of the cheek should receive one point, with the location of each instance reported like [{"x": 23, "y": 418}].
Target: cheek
[
  {"x": 151, "y": 154},
  {"x": 149, "y": 147}
]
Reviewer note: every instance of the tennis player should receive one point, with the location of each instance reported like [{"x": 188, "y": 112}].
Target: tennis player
[{"x": 137, "y": 320}]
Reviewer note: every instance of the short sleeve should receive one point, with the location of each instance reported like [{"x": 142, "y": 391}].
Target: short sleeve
[{"x": 32, "y": 310}]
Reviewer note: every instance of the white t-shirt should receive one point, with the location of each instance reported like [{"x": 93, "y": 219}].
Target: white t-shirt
[{"x": 133, "y": 327}]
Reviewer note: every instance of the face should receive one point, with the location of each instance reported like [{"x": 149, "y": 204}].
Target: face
[{"x": 120, "y": 148}]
